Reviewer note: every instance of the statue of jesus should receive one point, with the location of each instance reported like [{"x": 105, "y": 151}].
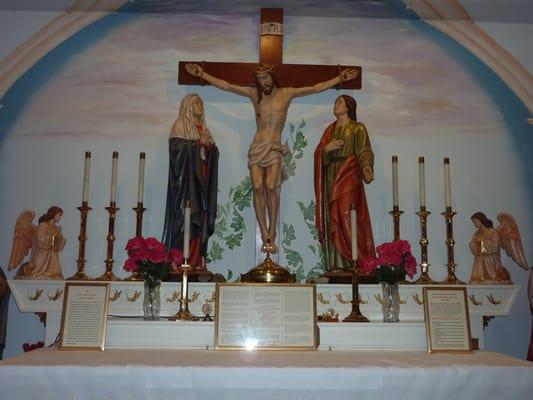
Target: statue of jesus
[{"x": 266, "y": 152}]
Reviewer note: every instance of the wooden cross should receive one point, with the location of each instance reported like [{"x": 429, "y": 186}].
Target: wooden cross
[{"x": 270, "y": 52}]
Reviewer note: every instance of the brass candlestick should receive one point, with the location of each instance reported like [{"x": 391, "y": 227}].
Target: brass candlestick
[
  {"x": 108, "y": 275},
  {"x": 451, "y": 278},
  {"x": 139, "y": 210},
  {"x": 80, "y": 274},
  {"x": 355, "y": 315},
  {"x": 424, "y": 276},
  {"x": 184, "y": 313},
  {"x": 396, "y": 213}
]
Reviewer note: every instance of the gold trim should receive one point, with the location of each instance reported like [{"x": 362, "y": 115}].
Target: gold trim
[
  {"x": 132, "y": 299},
  {"x": 116, "y": 295},
  {"x": 493, "y": 300},
  {"x": 56, "y": 295},
  {"x": 474, "y": 301},
  {"x": 378, "y": 298},
  {"x": 175, "y": 296},
  {"x": 37, "y": 295},
  {"x": 341, "y": 299},
  {"x": 322, "y": 299},
  {"x": 194, "y": 297},
  {"x": 417, "y": 300}
]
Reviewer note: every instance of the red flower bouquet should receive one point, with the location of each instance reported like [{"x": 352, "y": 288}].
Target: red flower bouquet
[
  {"x": 394, "y": 261},
  {"x": 150, "y": 258}
]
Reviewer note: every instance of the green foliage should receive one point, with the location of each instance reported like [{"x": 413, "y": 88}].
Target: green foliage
[
  {"x": 294, "y": 259},
  {"x": 230, "y": 213},
  {"x": 296, "y": 143}
]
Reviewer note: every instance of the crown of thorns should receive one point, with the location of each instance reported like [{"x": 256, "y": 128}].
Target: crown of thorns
[{"x": 264, "y": 69}]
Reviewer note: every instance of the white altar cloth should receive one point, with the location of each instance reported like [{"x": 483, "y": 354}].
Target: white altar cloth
[{"x": 223, "y": 375}]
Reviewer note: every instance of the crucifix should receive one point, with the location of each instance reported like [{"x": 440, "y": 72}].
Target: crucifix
[
  {"x": 270, "y": 52},
  {"x": 271, "y": 86}
]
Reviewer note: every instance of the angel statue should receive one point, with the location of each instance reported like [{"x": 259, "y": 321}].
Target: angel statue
[
  {"x": 45, "y": 241},
  {"x": 485, "y": 246}
]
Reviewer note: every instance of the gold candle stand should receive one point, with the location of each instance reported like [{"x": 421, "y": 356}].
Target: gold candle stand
[
  {"x": 184, "y": 313},
  {"x": 80, "y": 274},
  {"x": 451, "y": 278},
  {"x": 355, "y": 315},
  {"x": 139, "y": 210},
  {"x": 424, "y": 276},
  {"x": 396, "y": 213},
  {"x": 108, "y": 275}
]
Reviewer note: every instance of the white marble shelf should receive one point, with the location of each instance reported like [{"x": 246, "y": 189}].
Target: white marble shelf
[{"x": 126, "y": 299}]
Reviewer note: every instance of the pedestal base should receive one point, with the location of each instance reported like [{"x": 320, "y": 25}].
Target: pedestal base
[{"x": 268, "y": 272}]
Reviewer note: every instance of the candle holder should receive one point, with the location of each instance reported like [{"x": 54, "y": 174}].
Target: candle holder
[
  {"x": 80, "y": 274},
  {"x": 451, "y": 278},
  {"x": 184, "y": 313},
  {"x": 424, "y": 276},
  {"x": 108, "y": 275},
  {"x": 139, "y": 210},
  {"x": 355, "y": 315},
  {"x": 396, "y": 213}
]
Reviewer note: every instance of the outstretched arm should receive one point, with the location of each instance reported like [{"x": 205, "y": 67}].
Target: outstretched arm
[
  {"x": 196, "y": 70},
  {"x": 346, "y": 75}
]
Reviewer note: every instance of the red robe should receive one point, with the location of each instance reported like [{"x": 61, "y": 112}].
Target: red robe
[{"x": 347, "y": 189}]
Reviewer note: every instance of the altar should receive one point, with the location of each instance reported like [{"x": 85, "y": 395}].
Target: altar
[{"x": 207, "y": 374}]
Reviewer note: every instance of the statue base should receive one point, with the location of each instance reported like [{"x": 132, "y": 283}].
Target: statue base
[
  {"x": 268, "y": 272},
  {"x": 341, "y": 276}
]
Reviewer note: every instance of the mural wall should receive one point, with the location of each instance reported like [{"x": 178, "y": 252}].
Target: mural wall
[{"x": 113, "y": 86}]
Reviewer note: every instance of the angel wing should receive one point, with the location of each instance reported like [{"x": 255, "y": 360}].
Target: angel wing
[
  {"x": 22, "y": 238},
  {"x": 510, "y": 239}
]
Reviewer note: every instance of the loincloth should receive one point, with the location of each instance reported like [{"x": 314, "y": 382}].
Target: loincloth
[{"x": 264, "y": 155}]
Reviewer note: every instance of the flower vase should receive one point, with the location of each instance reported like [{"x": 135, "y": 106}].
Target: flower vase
[
  {"x": 391, "y": 302},
  {"x": 152, "y": 301}
]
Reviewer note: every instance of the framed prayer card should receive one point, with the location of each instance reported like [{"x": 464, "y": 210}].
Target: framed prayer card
[
  {"x": 84, "y": 317},
  {"x": 265, "y": 316},
  {"x": 447, "y": 320}
]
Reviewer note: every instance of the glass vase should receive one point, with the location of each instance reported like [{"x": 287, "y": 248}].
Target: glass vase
[
  {"x": 391, "y": 302},
  {"x": 152, "y": 301}
]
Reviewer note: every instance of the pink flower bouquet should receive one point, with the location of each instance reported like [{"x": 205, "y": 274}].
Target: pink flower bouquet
[
  {"x": 394, "y": 261},
  {"x": 151, "y": 259}
]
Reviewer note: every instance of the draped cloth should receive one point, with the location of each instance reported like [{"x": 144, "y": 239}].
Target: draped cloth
[
  {"x": 346, "y": 189},
  {"x": 194, "y": 179}
]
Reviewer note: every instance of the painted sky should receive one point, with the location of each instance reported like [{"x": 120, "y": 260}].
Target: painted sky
[{"x": 125, "y": 85}]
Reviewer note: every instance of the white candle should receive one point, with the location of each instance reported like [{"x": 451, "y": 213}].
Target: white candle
[
  {"x": 353, "y": 221},
  {"x": 86, "y": 171},
  {"x": 187, "y": 230},
  {"x": 395, "y": 181},
  {"x": 447, "y": 183},
  {"x": 140, "y": 190},
  {"x": 114, "y": 170},
  {"x": 421, "y": 181}
]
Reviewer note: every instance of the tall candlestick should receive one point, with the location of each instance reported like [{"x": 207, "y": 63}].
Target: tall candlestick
[
  {"x": 353, "y": 221},
  {"x": 114, "y": 169},
  {"x": 187, "y": 230},
  {"x": 140, "y": 190},
  {"x": 447, "y": 183},
  {"x": 86, "y": 171},
  {"x": 395, "y": 180},
  {"x": 421, "y": 181}
]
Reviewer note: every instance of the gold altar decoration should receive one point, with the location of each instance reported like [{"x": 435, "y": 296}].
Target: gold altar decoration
[
  {"x": 108, "y": 275},
  {"x": 184, "y": 313},
  {"x": 268, "y": 272},
  {"x": 424, "y": 264},
  {"x": 80, "y": 274},
  {"x": 451, "y": 278}
]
